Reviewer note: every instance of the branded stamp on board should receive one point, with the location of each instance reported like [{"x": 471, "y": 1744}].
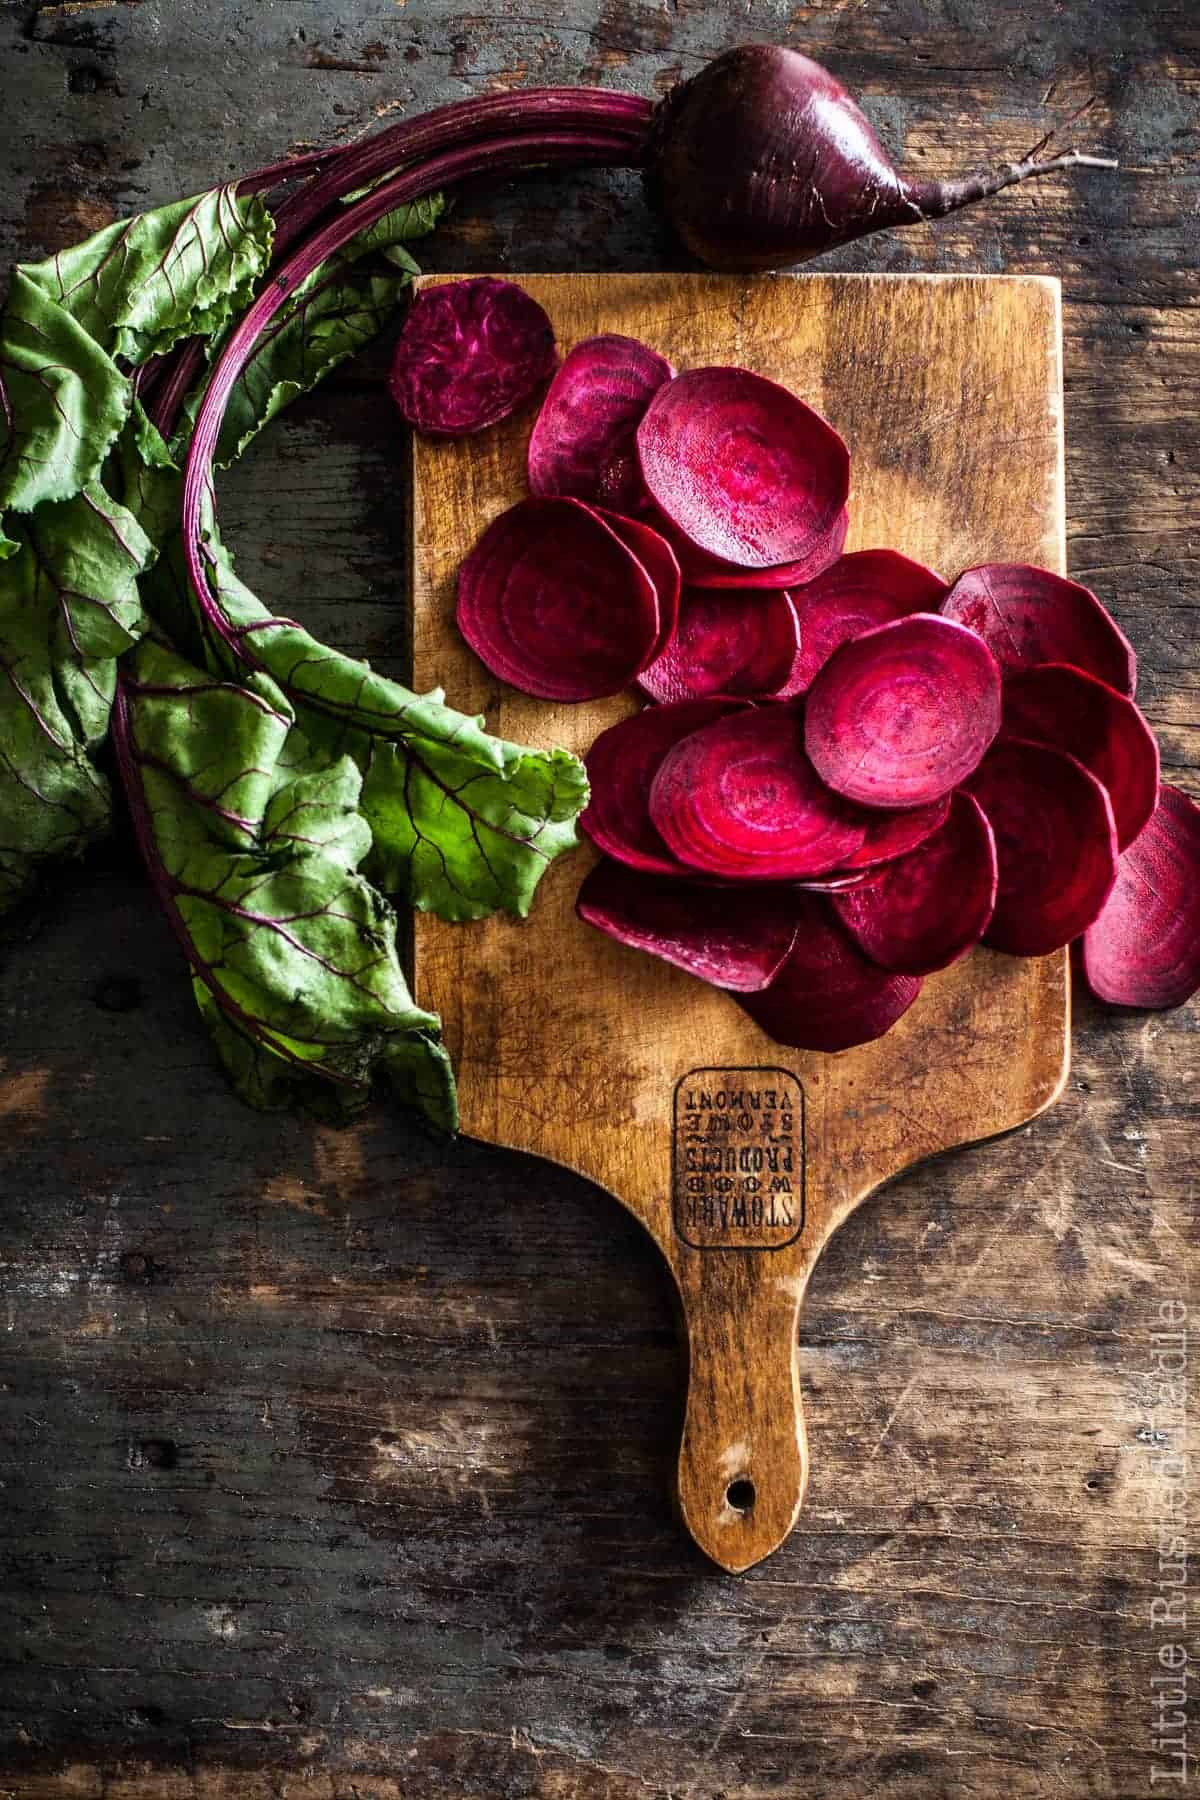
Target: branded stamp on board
[{"x": 738, "y": 1155}]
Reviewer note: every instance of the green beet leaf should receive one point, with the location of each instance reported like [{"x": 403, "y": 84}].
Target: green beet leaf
[
  {"x": 130, "y": 291},
  {"x": 69, "y": 607},
  {"x": 183, "y": 270},
  {"x": 464, "y": 823},
  {"x": 254, "y": 840}
]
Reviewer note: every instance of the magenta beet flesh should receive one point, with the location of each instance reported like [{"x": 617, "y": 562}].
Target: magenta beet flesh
[
  {"x": 1029, "y": 615},
  {"x": 621, "y": 765},
  {"x": 470, "y": 353},
  {"x": 590, "y": 414},
  {"x": 904, "y": 713},
  {"x": 1144, "y": 949},
  {"x": 724, "y": 643},
  {"x": 928, "y": 908},
  {"x": 740, "y": 798},
  {"x": 658, "y": 559},
  {"x": 742, "y": 468},
  {"x": 707, "y": 571},
  {"x": 1056, "y": 845},
  {"x": 1060, "y": 706},
  {"x": 736, "y": 938},
  {"x": 866, "y": 588},
  {"x": 554, "y": 602},
  {"x": 828, "y": 995},
  {"x": 893, "y": 834}
]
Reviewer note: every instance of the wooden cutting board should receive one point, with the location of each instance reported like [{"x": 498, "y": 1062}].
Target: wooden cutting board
[{"x": 738, "y": 1155}]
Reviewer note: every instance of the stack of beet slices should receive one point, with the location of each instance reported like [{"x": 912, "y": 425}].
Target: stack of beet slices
[{"x": 848, "y": 773}]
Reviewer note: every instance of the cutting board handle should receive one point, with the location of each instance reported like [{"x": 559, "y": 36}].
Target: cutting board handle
[{"x": 743, "y": 1462}]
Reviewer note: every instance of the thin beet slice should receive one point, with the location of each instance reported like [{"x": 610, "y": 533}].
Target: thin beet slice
[
  {"x": 893, "y": 834},
  {"x": 902, "y": 714},
  {"x": 1056, "y": 845},
  {"x": 658, "y": 559},
  {"x": 470, "y": 353},
  {"x": 828, "y": 995},
  {"x": 706, "y": 571},
  {"x": 746, "y": 471},
  {"x": 556, "y": 604},
  {"x": 927, "y": 909},
  {"x": 864, "y": 589},
  {"x": 724, "y": 643},
  {"x": 1057, "y": 705},
  {"x": 736, "y": 938},
  {"x": 1029, "y": 615},
  {"x": 1144, "y": 948},
  {"x": 740, "y": 798},
  {"x": 621, "y": 765},
  {"x": 590, "y": 414}
]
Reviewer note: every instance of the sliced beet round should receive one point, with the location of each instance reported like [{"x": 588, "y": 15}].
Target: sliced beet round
[
  {"x": 621, "y": 765},
  {"x": 1057, "y": 705},
  {"x": 470, "y": 353},
  {"x": 745, "y": 470},
  {"x": 903, "y": 713},
  {"x": 736, "y": 938},
  {"x": 928, "y": 908},
  {"x": 553, "y": 602},
  {"x": 740, "y": 798},
  {"x": 828, "y": 995},
  {"x": 893, "y": 834},
  {"x": 1144, "y": 948},
  {"x": 866, "y": 588},
  {"x": 724, "y": 643},
  {"x": 706, "y": 571},
  {"x": 658, "y": 559},
  {"x": 590, "y": 414},
  {"x": 1029, "y": 615},
  {"x": 1056, "y": 845}
]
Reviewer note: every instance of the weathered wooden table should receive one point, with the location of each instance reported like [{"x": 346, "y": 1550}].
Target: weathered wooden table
[{"x": 338, "y": 1464}]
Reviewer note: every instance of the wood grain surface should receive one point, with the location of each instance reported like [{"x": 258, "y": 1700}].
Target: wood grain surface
[
  {"x": 576, "y": 1048},
  {"x": 312, "y": 1480}
]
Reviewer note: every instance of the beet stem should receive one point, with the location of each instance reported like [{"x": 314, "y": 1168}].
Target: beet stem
[
  {"x": 613, "y": 146},
  {"x": 934, "y": 199}
]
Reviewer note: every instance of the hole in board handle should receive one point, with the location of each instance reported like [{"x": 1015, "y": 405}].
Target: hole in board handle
[{"x": 740, "y": 1494}]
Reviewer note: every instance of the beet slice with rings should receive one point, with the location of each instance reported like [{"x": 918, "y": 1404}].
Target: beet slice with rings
[
  {"x": 621, "y": 765},
  {"x": 903, "y": 713},
  {"x": 1144, "y": 948},
  {"x": 555, "y": 603},
  {"x": 735, "y": 938},
  {"x": 591, "y": 412},
  {"x": 470, "y": 353},
  {"x": 706, "y": 571},
  {"x": 724, "y": 643},
  {"x": 829, "y": 996},
  {"x": 659, "y": 561},
  {"x": 864, "y": 589},
  {"x": 1030, "y": 615},
  {"x": 1056, "y": 845},
  {"x": 740, "y": 798},
  {"x": 746, "y": 471},
  {"x": 893, "y": 834},
  {"x": 1058, "y": 705},
  {"x": 930, "y": 907}
]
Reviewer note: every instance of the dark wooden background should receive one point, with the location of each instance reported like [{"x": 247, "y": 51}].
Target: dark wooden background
[{"x": 338, "y": 1465}]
